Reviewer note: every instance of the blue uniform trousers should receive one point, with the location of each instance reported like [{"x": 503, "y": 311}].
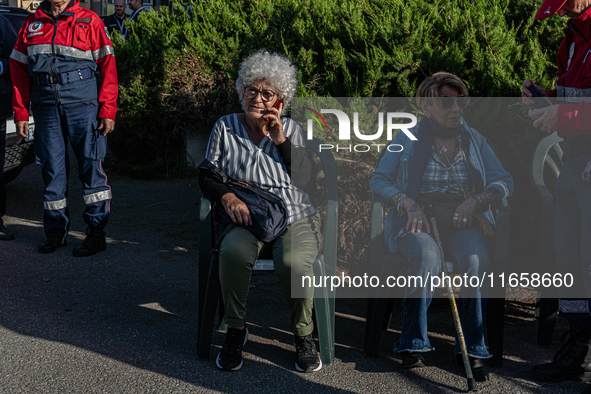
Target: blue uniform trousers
[{"x": 54, "y": 126}]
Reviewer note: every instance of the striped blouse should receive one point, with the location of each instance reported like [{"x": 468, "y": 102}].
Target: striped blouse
[{"x": 231, "y": 149}]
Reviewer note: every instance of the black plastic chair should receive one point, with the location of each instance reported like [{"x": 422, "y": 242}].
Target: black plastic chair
[
  {"x": 325, "y": 264},
  {"x": 546, "y": 165},
  {"x": 379, "y": 310}
]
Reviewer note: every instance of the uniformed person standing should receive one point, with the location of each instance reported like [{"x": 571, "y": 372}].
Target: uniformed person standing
[
  {"x": 572, "y": 193},
  {"x": 60, "y": 51},
  {"x": 117, "y": 20}
]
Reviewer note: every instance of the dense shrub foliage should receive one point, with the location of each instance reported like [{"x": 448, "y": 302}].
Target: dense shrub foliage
[{"x": 176, "y": 71}]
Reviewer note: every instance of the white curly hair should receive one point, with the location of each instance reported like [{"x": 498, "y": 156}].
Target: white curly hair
[{"x": 274, "y": 69}]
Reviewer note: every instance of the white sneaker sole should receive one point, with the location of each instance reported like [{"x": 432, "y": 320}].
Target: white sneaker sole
[
  {"x": 236, "y": 368},
  {"x": 311, "y": 370}
]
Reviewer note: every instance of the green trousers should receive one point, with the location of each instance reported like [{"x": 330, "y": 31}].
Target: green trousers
[{"x": 295, "y": 251}]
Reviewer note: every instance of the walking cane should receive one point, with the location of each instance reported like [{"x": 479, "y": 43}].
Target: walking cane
[{"x": 454, "y": 308}]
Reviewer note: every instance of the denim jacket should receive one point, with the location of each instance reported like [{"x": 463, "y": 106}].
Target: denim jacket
[{"x": 391, "y": 177}]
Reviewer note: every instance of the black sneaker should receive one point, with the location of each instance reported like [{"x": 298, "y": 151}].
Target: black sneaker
[
  {"x": 477, "y": 366},
  {"x": 412, "y": 360},
  {"x": 5, "y": 234},
  {"x": 307, "y": 357},
  {"x": 230, "y": 358},
  {"x": 93, "y": 243},
  {"x": 51, "y": 244},
  {"x": 571, "y": 362}
]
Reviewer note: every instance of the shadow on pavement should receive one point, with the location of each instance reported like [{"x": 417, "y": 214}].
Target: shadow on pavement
[{"x": 125, "y": 320}]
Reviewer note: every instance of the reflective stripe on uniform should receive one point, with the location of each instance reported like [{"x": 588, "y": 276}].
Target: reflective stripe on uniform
[
  {"x": 54, "y": 205},
  {"x": 45, "y": 49},
  {"x": 19, "y": 57},
  {"x": 102, "y": 52},
  {"x": 97, "y": 197},
  {"x": 573, "y": 306},
  {"x": 573, "y": 94}
]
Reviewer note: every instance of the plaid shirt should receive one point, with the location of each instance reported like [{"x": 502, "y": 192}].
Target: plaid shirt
[{"x": 439, "y": 178}]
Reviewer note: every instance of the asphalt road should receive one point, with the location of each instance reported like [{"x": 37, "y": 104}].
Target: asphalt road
[{"x": 125, "y": 321}]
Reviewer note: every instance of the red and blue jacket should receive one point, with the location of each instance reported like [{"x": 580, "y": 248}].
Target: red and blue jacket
[
  {"x": 55, "y": 51},
  {"x": 573, "y": 81}
]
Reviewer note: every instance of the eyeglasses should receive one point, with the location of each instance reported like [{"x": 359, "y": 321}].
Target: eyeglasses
[
  {"x": 447, "y": 101},
  {"x": 266, "y": 95}
]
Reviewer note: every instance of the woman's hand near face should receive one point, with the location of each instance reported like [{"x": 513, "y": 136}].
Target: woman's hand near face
[
  {"x": 275, "y": 126},
  {"x": 466, "y": 211},
  {"x": 416, "y": 217},
  {"x": 236, "y": 209}
]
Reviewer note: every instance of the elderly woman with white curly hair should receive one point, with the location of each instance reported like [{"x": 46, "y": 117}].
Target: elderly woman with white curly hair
[{"x": 262, "y": 147}]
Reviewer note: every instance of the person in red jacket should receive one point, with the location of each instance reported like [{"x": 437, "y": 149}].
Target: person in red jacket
[
  {"x": 64, "y": 65},
  {"x": 572, "y": 119}
]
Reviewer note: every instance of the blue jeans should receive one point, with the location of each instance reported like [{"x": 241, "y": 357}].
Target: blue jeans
[
  {"x": 573, "y": 225},
  {"x": 468, "y": 249}
]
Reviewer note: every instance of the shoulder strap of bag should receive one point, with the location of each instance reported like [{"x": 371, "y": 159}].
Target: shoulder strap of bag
[
  {"x": 208, "y": 166},
  {"x": 266, "y": 195},
  {"x": 228, "y": 180}
]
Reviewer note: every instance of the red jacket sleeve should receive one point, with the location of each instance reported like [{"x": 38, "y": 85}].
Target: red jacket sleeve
[
  {"x": 105, "y": 58},
  {"x": 574, "y": 120},
  {"x": 19, "y": 66}
]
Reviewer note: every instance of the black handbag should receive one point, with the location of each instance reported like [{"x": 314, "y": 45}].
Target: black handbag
[
  {"x": 268, "y": 212},
  {"x": 441, "y": 205}
]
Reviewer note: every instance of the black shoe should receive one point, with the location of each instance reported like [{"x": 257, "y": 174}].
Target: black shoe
[
  {"x": 307, "y": 357},
  {"x": 5, "y": 234},
  {"x": 412, "y": 360},
  {"x": 571, "y": 362},
  {"x": 51, "y": 244},
  {"x": 230, "y": 358},
  {"x": 477, "y": 366},
  {"x": 94, "y": 243}
]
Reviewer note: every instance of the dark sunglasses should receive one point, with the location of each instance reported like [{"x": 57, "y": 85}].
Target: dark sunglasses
[{"x": 447, "y": 101}]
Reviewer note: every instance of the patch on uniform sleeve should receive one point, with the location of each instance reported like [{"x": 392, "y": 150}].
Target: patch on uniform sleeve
[
  {"x": 107, "y": 33},
  {"x": 35, "y": 27},
  {"x": 83, "y": 20},
  {"x": 34, "y": 34}
]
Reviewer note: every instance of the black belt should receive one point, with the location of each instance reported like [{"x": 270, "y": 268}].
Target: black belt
[
  {"x": 63, "y": 78},
  {"x": 580, "y": 145}
]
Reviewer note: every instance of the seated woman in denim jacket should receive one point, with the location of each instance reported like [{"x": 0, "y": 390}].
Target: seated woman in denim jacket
[{"x": 449, "y": 157}]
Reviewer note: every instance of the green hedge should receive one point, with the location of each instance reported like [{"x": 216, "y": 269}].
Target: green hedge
[{"x": 176, "y": 70}]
